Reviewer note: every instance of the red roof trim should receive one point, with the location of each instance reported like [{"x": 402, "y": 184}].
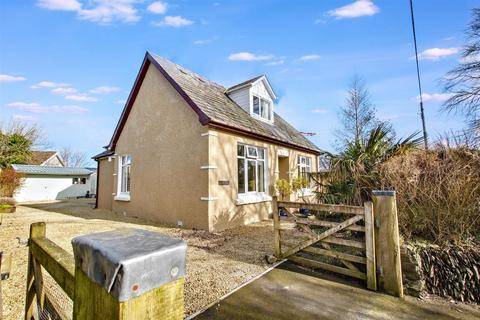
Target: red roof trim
[
  {"x": 203, "y": 118},
  {"x": 244, "y": 132},
  {"x": 129, "y": 104}
]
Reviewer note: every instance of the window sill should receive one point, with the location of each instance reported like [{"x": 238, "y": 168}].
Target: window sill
[
  {"x": 122, "y": 197},
  {"x": 252, "y": 198},
  {"x": 256, "y": 116}
]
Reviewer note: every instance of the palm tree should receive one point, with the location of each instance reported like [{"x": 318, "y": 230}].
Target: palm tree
[{"x": 354, "y": 172}]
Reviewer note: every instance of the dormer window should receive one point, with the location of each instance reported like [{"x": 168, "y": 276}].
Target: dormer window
[
  {"x": 256, "y": 97},
  {"x": 262, "y": 108}
]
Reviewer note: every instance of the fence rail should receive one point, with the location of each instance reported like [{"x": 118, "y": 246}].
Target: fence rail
[
  {"x": 305, "y": 252},
  {"x": 58, "y": 263},
  {"x": 88, "y": 294}
]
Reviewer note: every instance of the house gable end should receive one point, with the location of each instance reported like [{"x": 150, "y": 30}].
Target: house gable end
[{"x": 147, "y": 61}]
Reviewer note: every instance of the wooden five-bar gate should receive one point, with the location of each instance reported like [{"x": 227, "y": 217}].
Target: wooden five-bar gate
[{"x": 339, "y": 238}]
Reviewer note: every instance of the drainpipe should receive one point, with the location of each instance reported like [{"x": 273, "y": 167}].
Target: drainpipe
[{"x": 98, "y": 181}]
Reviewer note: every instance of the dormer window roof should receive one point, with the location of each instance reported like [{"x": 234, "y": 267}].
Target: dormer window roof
[{"x": 255, "y": 96}]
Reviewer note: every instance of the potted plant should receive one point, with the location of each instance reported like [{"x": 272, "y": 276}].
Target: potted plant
[
  {"x": 284, "y": 188},
  {"x": 300, "y": 185}
]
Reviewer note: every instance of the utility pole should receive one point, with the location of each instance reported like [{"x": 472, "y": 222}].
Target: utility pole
[{"x": 422, "y": 114}]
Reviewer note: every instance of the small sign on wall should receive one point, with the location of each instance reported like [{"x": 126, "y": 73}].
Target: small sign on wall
[{"x": 223, "y": 182}]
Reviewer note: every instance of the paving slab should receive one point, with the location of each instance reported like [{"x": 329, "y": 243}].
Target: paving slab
[{"x": 290, "y": 293}]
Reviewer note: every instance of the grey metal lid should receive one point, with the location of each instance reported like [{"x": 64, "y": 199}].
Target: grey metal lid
[
  {"x": 390, "y": 193},
  {"x": 130, "y": 262}
]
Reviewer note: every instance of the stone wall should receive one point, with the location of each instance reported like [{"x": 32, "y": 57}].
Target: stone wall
[{"x": 452, "y": 272}]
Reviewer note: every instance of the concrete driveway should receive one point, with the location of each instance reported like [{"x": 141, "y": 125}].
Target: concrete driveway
[{"x": 288, "y": 292}]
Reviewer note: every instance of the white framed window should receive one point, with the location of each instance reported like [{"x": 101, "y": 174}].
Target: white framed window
[
  {"x": 304, "y": 166},
  {"x": 262, "y": 108},
  {"x": 124, "y": 166},
  {"x": 252, "y": 169}
]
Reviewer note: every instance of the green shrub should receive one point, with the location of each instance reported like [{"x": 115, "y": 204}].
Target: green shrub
[{"x": 283, "y": 187}]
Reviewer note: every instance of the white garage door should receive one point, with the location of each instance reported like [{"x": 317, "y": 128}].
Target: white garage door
[{"x": 40, "y": 188}]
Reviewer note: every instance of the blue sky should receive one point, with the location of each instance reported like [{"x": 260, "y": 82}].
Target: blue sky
[{"x": 69, "y": 65}]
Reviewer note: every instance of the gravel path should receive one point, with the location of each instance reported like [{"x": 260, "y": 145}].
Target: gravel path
[{"x": 216, "y": 262}]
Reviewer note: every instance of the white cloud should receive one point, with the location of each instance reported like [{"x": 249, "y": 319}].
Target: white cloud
[
  {"x": 158, "y": 7},
  {"x": 22, "y": 117},
  {"x": 310, "y": 57},
  {"x": 318, "y": 110},
  {"x": 81, "y": 97},
  {"x": 437, "y": 53},
  {"x": 121, "y": 101},
  {"x": 104, "y": 90},
  {"x": 200, "y": 42},
  {"x": 108, "y": 11},
  {"x": 9, "y": 78},
  {"x": 63, "y": 90},
  {"x": 174, "y": 21},
  {"x": 49, "y": 84},
  {"x": 64, "y": 5},
  {"x": 356, "y": 9},
  {"x": 275, "y": 63},
  {"x": 437, "y": 97},
  {"x": 247, "y": 56},
  {"x": 319, "y": 21},
  {"x": 34, "y": 107}
]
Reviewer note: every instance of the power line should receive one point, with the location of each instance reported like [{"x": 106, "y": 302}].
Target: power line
[{"x": 422, "y": 114}]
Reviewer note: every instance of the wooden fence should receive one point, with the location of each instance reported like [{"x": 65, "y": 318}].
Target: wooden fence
[
  {"x": 324, "y": 233},
  {"x": 58, "y": 263},
  {"x": 90, "y": 299},
  {"x": 379, "y": 261}
]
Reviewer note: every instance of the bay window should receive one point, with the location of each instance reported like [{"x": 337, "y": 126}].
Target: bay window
[{"x": 251, "y": 169}]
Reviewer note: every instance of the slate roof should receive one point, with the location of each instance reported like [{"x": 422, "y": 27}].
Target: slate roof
[
  {"x": 244, "y": 83},
  {"x": 103, "y": 154},
  {"x": 212, "y": 100},
  {"x": 50, "y": 170},
  {"x": 39, "y": 157}
]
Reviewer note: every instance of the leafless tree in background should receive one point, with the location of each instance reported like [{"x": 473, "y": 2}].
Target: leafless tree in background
[
  {"x": 463, "y": 82},
  {"x": 357, "y": 115},
  {"x": 73, "y": 158},
  {"x": 30, "y": 131}
]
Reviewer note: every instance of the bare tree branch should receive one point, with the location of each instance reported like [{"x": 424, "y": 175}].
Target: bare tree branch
[
  {"x": 463, "y": 82},
  {"x": 73, "y": 158}
]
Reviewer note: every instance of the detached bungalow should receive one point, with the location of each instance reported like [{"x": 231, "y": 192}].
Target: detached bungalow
[{"x": 189, "y": 152}]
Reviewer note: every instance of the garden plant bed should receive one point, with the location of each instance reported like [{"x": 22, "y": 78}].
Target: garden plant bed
[
  {"x": 217, "y": 263},
  {"x": 7, "y": 209}
]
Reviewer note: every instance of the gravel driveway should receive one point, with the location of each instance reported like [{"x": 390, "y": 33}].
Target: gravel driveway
[{"x": 216, "y": 262}]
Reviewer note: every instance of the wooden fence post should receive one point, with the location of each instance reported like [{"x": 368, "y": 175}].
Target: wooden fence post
[
  {"x": 276, "y": 228},
  {"x": 35, "y": 294},
  {"x": 370, "y": 246},
  {"x": 387, "y": 242},
  {"x": 128, "y": 274}
]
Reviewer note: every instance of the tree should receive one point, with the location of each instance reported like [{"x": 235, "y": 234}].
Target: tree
[
  {"x": 463, "y": 82},
  {"x": 354, "y": 172},
  {"x": 73, "y": 158},
  {"x": 357, "y": 115},
  {"x": 17, "y": 139}
]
